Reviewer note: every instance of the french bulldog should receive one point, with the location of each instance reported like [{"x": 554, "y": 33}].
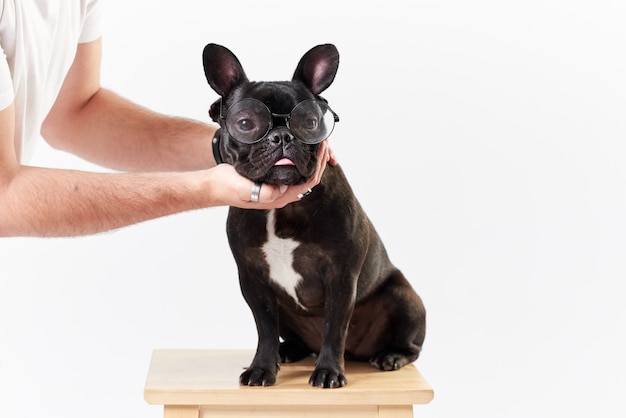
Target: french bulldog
[{"x": 314, "y": 273}]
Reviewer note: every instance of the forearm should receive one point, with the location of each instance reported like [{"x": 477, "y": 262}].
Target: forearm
[
  {"x": 116, "y": 133},
  {"x": 51, "y": 202}
]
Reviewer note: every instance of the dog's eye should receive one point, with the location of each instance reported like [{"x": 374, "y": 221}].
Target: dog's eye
[
  {"x": 310, "y": 123},
  {"x": 245, "y": 125}
]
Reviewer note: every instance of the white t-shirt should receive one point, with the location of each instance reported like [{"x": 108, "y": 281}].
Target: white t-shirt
[{"x": 38, "y": 40}]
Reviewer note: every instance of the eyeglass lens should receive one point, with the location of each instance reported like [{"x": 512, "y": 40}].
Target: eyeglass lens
[{"x": 249, "y": 120}]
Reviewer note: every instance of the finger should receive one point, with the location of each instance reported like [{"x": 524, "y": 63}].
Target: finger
[
  {"x": 270, "y": 193},
  {"x": 323, "y": 157},
  {"x": 332, "y": 158},
  {"x": 326, "y": 153}
]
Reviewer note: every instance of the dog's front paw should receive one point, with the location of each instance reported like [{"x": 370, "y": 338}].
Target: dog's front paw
[
  {"x": 327, "y": 378},
  {"x": 257, "y": 376}
]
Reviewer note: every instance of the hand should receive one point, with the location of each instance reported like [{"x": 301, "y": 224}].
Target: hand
[
  {"x": 271, "y": 196},
  {"x": 279, "y": 196}
]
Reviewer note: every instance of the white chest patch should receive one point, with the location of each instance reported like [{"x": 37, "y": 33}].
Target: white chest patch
[{"x": 279, "y": 256}]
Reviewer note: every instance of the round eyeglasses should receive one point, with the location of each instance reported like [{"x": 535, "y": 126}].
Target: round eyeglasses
[{"x": 250, "y": 120}]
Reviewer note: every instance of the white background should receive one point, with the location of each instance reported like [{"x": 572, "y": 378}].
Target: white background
[{"x": 485, "y": 139}]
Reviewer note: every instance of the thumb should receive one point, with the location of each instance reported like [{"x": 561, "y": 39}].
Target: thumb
[{"x": 271, "y": 192}]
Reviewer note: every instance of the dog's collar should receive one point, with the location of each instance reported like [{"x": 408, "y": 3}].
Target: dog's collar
[{"x": 217, "y": 138}]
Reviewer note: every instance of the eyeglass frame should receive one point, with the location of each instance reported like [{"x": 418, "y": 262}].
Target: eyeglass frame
[{"x": 285, "y": 116}]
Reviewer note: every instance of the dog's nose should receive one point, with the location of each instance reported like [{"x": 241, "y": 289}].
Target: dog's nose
[{"x": 280, "y": 136}]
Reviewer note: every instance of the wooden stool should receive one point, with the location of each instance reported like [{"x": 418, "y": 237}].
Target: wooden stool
[{"x": 205, "y": 383}]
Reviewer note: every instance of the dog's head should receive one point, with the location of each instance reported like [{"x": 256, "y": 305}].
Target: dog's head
[{"x": 270, "y": 131}]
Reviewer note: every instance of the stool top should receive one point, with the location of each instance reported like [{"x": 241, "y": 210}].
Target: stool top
[{"x": 211, "y": 377}]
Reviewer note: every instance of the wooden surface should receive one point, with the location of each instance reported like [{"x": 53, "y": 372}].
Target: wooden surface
[{"x": 201, "y": 378}]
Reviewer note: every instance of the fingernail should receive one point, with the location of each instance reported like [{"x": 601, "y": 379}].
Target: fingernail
[{"x": 283, "y": 188}]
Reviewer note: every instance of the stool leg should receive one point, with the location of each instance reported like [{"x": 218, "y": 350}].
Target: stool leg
[
  {"x": 181, "y": 411},
  {"x": 395, "y": 411}
]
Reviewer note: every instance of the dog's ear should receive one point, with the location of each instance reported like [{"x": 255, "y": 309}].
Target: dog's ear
[
  {"x": 214, "y": 110},
  {"x": 317, "y": 68},
  {"x": 222, "y": 69}
]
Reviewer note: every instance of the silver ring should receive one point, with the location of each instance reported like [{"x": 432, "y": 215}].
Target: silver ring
[
  {"x": 301, "y": 195},
  {"x": 256, "y": 190}
]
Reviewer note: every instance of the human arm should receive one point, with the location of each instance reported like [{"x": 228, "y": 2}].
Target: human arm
[
  {"x": 113, "y": 132},
  {"x": 100, "y": 126},
  {"x": 38, "y": 201}
]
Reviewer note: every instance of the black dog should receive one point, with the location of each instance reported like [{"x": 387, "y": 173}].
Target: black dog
[{"x": 314, "y": 273}]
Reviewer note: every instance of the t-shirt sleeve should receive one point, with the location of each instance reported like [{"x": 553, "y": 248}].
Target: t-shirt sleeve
[
  {"x": 6, "y": 82},
  {"x": 92, "y": 26}
]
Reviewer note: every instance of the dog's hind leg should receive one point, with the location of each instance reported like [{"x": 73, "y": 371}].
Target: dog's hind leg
[{"x": 407, "y": 325}]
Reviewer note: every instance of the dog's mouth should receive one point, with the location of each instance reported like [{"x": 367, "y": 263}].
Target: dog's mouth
[
  {"x": 284, "y": 161},
  {"x": 284, "y": 171},
  {"x": 265, "y": 163}
]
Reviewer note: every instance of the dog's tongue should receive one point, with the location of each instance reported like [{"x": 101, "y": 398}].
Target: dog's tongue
[{"x": 284, "y": 161}]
